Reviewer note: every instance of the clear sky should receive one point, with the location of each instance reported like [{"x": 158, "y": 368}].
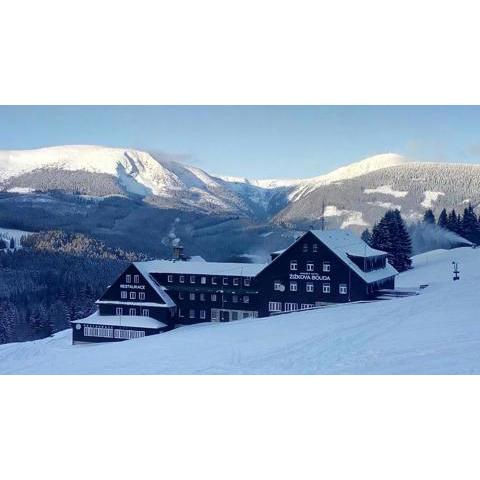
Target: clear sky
[{"x": 258, "y": 142}]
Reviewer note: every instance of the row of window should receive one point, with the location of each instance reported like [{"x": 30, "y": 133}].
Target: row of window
[
  {"x": 289, "y": 307},
  {"x": 133, "y": 295},
  {"x": 102, "y": 332},
  {"x": 132, "y": 312},
  {"x": 305, "y": 248},
  {"x": 309, "y": 287},
  {"x": 310, "y": 266},
  {"x": 213, "y": 297},
  {"x": 216, "y": 314},
  {"x": 128, "y": 279},
  {"x": 236, "y": 281}
]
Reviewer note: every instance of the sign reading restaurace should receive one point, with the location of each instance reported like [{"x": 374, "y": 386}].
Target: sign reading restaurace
[
  {"x": 309, "y": 276},
  {"x": 137, "y": 287}
]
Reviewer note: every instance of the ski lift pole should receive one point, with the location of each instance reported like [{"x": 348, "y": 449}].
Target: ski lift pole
[{"x": 455, "y": 271}]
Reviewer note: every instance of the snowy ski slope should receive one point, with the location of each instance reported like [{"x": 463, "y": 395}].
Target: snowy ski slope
[{"x": 436, "y": 332}]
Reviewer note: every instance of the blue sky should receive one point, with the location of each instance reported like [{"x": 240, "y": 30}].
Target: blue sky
[{"x": 260, "y": 142}]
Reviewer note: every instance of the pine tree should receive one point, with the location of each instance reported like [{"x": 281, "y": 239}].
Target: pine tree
[
  {"x": 443, "y": 219},
  {"x": 470, "y": 228},
  {"x": 367, "y": 236},
  {"x": 429, "y": 217},
  {"x": 452, "y": 221},
  {"x": 403, "y": 244},
  {"x": 12, "y": 244}
]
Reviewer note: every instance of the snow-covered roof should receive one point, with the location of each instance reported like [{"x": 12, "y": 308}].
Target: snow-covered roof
[
  {"x": 121, "y": 321},
  {"x": 345, "y": 244},
  {"x": 206, "y": 268},
  {"x": 143, "y": 269},
  {"x": 133, "y": 304}
]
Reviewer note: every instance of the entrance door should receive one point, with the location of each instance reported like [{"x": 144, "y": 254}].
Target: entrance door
[{"x": 224, "y": 316}]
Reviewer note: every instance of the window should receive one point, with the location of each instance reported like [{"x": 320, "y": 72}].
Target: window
[
  {"x": 305, "y": 247},
  {"x": 203, "y": 280},
  {"x": 119, "y": 311},
  {"x": 180, "y": 296},
  {"x": 274, "y": 306},
  {"x": 123, "y": 295},
  {"x": 342, "y": 288},
  {"x": 309, "y": 287},
  {"x": 141, "y": 295},
  {"x": 180, "y": 313},
  {"x": 203, "y": 314},
  {"x": 310, "y": 266},
  {"x": 145, "y": 312},
  {"x": 306, "y": 306},
  {"x": 170, "y": 278},
  {"x": 293, "y": 265},
  {"x": 128, "y": 278},
  {"x": 234, "y": 316},
  {"x": 289, "y": 307},
  {"x": 293, "y": 286},
  {"x": 225, "y": 280},
  {"x": 326, "y": 266},
  {"x": 326, "y": 288},
  {"x": 136, "y": 278},
  {"x": 314, "y": 248},
  {"x": 235, "y": 281},
  {"x": 133, "y": 295},
  {"x": 246, "y": 299},
  {"x": 98, "y": 332},
  {"x": 213, "y": 297},
  {"x": 215, "y": 314},
  {"x": 192, "y": 278},
  {"x": 202, "y": 297},
  {"x": 214, "y": 280},
  {"x": 191, "y": 314},
  {"x": 192, "y": 296},
  {"x": 132, "y": 311},
  {"x": 129, "y": 334},
  {"x": 278, "y": 286},
  {"x": 246, "y": 281},
  {"x": 181, "y": 279},
  {"x": 235, "y": 298}
]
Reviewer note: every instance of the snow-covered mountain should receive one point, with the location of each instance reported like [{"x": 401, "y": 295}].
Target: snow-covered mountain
[
  {"x": 435, "y": 332},
  {"x": 355, "y": 195}
]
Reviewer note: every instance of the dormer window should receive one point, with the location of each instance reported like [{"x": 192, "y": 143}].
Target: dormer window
[
  {"x": 326, "y": 266},
  {"x": 136, "y": 278},
  {"x": 293, "y": 265},
  {"x": 128, "y": 278}
]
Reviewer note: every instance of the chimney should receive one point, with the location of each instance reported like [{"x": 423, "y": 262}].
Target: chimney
[{"x": 178, "y": 252}]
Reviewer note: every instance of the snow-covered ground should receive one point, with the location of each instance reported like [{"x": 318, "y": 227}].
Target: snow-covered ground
[
  {"x": 8, "y": 233},
  {"x": 436, "y": 332}
]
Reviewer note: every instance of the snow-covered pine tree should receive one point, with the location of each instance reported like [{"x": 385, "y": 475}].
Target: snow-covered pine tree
[
  {"x": 429, "y": 217},
  {"x": 443, "y": 219},
  {"x": 403, "y": 243}
]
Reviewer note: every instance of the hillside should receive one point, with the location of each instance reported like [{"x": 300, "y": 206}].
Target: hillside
[{"x": 436, "y": 332}]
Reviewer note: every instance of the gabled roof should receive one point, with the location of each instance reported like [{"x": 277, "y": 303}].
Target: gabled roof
[
  {"x": 141, "y": 267},
  {"x": 199, "y": 268},
  {"x": 345, "y": 244}
]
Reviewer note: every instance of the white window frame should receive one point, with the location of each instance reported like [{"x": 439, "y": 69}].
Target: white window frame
[
  {"x": 290, "y": 306},
  {"x": 309, "y": 287},
  {"x": 133, "y": 295},
  {"x": 274, "y": 306},
  {"x": 293, "y": 265},
  {"x": 293, "y": 286},
  {"x": 277, "y": 285},
  {"x": 145, "y": 312},
  {"x": 342, "y": 288},
  {"x": 215, "y": 315},
  {"x": 128, "y": 279},
  {"x": 235, "y": 281},
  {"x": 325, "y": 288},
  {"x": 136, "y": 279},
  {"x": 326, "y": 266},
  {"x": 192, "y": 278},
  {"x": 119, "y": 311},
  {"x": 191, "y": 296},
  {"x": 123, "y": 294},
  {"x": 213, "y": 297},
  {"x": 181, "y": 278},
  {"x": 191, "y": 313},
  {"x": 203, "y": 314},
  {"x": 170, "y": 278},
  {"x": 141, "y": 295},
  {"x": 214, "y": 280},
  {"x": 225, "y": 281},
  {"x": 310, "y": 266},
  {"x": 203, "y": 280},
  {"x": 246, "y": 281},
  {"x": 134, "y": 310}
]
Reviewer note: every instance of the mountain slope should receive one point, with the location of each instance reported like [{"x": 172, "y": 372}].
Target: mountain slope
[{"x": 436, "y": 332}]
